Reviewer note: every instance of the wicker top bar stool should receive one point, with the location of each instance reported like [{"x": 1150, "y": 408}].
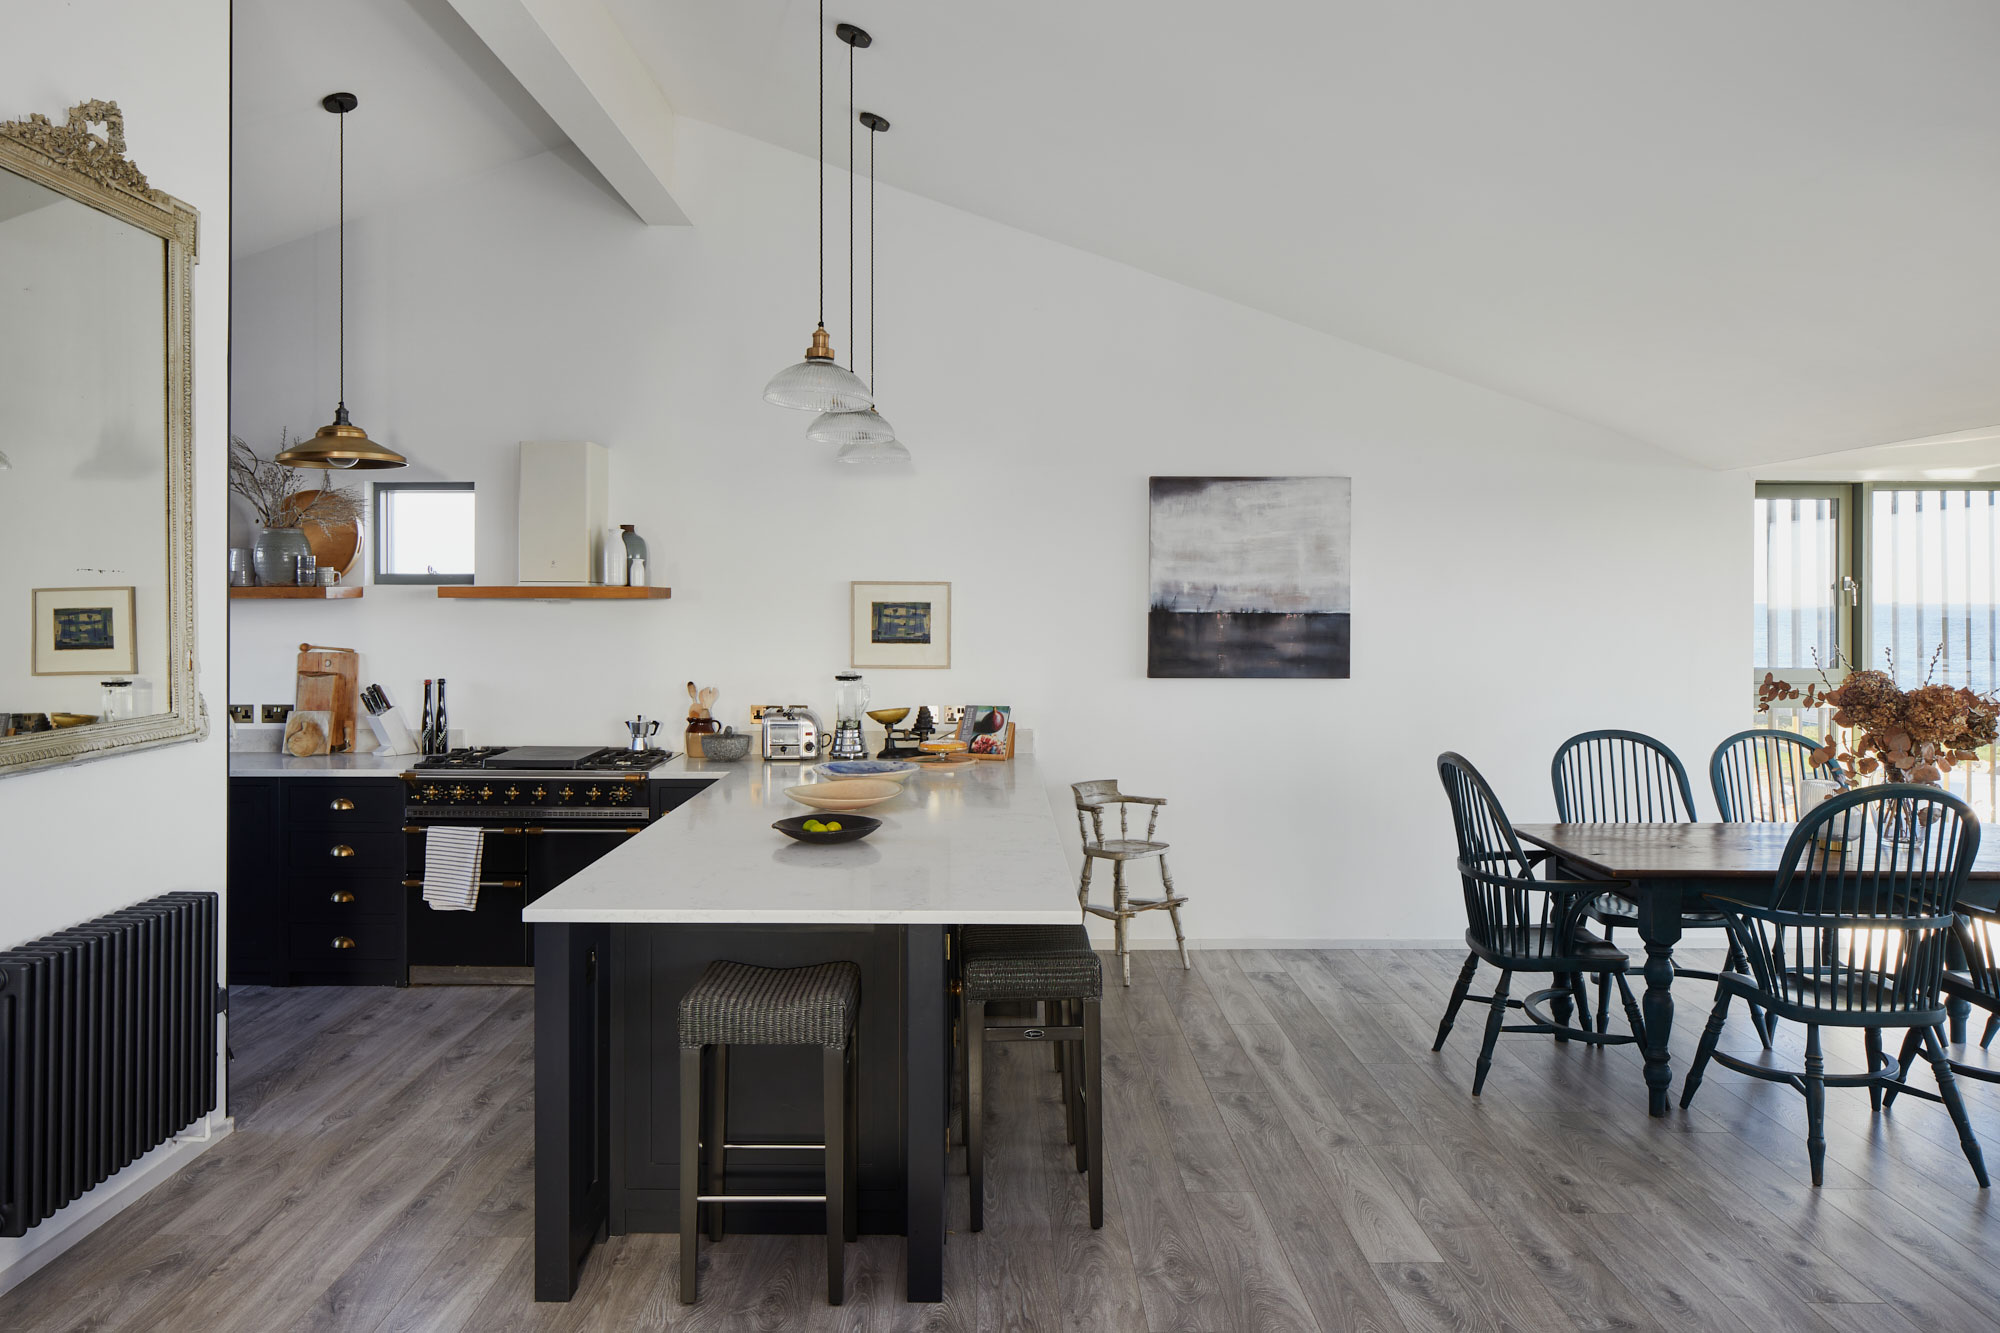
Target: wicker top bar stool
[
  {"x": 1055, "y": 966},
  {"x": 738, "y": 1004},
  {"x": 1091, "y": 800}
]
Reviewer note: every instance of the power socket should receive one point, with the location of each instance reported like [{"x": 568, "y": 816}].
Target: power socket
[
  {"x": 275, "y": 712},
  {"x": 244, "y": 713}
]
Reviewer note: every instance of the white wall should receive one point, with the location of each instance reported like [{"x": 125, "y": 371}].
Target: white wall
[
  {"x": 87, "y": 840},
  {"x": 1518, "y": 575}
]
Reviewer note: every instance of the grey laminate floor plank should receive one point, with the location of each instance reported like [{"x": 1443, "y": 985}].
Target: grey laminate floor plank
[{"x": 381, "y": 1175}]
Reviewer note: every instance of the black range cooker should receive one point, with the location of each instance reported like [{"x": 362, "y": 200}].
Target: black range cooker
[{"x": 547, "y": 811}]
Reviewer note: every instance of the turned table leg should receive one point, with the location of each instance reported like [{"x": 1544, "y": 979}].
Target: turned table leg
[{"x": 1660, "y": 928}]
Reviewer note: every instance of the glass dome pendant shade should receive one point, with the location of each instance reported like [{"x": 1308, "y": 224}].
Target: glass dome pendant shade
[
  {"x": 340, "y": 443},
  {"x": 883, "y": 450},
  {"x": 818, "y": 383}
]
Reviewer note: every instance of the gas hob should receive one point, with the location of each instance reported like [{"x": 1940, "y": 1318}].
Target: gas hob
[{"x": 545, "y": 759}]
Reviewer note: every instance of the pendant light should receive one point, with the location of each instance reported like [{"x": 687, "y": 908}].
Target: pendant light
[
  {"x": 864, "y": 437},
  {"x": 341, "y": 443},
  {"x": 819, "y": 383}
]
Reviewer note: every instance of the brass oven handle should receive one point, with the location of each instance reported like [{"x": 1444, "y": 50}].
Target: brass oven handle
[
  {"x": 342, "y": 942},
  {"x": 343, "y": 895},
  {"x": 342, "y": 849},
  {"x": 342, "y": 803},
  {"x": 484, "y": 884}
]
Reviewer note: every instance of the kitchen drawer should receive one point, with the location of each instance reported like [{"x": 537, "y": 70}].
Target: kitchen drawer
[
  {"x": 333, "y": 850},
  {"x": 321, "y": 801},
  {"x": 317, "y": 944},
  {"x": 335, "y": 899}
]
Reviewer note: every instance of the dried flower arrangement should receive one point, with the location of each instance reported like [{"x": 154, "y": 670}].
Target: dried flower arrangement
[
  {"x": 1916, "y": 735},
  {"x": 282, "y": 496}
]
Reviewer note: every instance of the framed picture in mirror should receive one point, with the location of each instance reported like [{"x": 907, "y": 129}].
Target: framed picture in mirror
[{"x": 84, "y": 632}]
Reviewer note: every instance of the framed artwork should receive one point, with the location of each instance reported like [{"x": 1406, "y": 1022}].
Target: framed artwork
[
  {"x": 1250, "y": 577},
  {"x": 987, "y": 730},
  {"x": 84, "y": 632},
  {"x": 901, "y": 624}
]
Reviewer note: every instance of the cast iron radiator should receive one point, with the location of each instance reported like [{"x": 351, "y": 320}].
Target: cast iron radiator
[{"x": 107, "y": 1048}]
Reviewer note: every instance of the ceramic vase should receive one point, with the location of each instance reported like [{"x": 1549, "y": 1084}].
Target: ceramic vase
[{"x": 276, "y": 555}]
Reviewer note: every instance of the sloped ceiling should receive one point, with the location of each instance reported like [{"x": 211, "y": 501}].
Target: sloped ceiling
[{"x": 1745, "y": 233}]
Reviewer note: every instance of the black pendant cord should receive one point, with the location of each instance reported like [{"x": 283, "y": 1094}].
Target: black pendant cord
[
  {"x": 871, "y": 261},
  {"x": 822, "y": 163},
  {"x": 343, "y": 262},
  {"x": 850, "y": 198}
]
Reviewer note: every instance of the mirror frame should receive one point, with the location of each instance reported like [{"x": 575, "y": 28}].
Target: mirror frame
[{"x": 95, "y": 172}]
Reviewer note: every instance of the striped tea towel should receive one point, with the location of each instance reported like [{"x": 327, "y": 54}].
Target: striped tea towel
[{"x": 451, "y": 867}]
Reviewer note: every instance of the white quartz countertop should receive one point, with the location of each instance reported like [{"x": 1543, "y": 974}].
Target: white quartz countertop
[
  {"x": 981, "y": 846},
  {"x": 273, "y": 764}
]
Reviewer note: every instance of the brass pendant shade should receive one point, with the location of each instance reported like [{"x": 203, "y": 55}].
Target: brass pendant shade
[{"x": 340, "y": 444}]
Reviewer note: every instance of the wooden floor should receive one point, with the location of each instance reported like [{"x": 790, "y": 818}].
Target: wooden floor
[{"x": 1284, "y": 1153}]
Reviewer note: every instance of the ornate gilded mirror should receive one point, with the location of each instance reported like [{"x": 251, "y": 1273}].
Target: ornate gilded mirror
[{"x": 97, "y": 630}]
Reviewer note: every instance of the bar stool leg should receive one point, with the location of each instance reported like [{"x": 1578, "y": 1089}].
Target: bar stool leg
[
  {"x": 1059, "y": 1015},
  {"x": 691, "y": 1062},
  {"x": 1124, "y": 914},
  {"x": 975, "y": 1108},
  {"x": 1093, "y": 1107},
  {"x": 853, "y": 1127},
  {"x": 1173, "y": 910},
  {"x": 1083, "y": 884},
  {"x": 717, "y": 1135},
  {"x": 833, "y": 1131}
]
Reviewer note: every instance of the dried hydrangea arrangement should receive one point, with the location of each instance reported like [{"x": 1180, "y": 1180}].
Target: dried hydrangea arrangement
[
  {"x": 1916, "y": 735},
  {"x": 279, "y": 494}
]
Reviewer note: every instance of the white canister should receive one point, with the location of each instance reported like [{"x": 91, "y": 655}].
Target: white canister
[
  {"x": 636, "y": 571},
  {"x": 613, "y": 561},
  {"x": 1812, "y": 791}
]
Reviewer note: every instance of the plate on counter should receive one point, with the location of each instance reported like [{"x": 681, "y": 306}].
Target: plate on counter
[
  {"x": 852, "y": 827},
  {"x": 845, "y": 793},
  {"x": 947, "y": 764},
  {"x": 889, "y": 770}
]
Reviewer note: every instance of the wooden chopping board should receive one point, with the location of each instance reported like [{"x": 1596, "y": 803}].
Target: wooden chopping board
[{"x": 344, "y": 665}]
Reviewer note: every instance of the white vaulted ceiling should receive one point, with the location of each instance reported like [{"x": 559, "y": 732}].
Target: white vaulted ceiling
[{"x": 1745, "y": 233}]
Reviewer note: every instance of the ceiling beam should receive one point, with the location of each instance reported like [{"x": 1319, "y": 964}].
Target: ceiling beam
[{"x": 574, "y": 60}]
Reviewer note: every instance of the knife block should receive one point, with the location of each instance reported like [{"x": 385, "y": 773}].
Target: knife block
[{"x": 391, "y": 736}]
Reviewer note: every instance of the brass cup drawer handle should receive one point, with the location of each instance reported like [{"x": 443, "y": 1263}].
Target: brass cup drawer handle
[
  {"x": 342, "y": 849},
  {"x": 342, "y": 942},
  {"x": 343, "y": 895},
  {"x": 341, "y": 803}
]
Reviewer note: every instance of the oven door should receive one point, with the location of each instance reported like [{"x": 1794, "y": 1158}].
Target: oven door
[{"x": 517, "y": 866}]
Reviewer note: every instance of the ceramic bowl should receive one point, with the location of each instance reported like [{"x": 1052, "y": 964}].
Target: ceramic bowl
[
  {"x": 890, "y": 770},
  {"x": 725, "y": 747},
  {"x": 845, "y": 793},
  {"x": 853, "y": 828}
]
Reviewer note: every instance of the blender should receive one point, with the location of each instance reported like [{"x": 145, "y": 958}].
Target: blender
[{"x": 850, "y": 700}]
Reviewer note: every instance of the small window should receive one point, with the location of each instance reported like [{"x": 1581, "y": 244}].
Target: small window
[{"x": 423, "y": 532}]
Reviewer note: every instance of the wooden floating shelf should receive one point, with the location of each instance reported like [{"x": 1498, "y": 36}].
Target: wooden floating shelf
[
  {"x": 553, "y": 592},
  {"x": 339, "y": 592}
]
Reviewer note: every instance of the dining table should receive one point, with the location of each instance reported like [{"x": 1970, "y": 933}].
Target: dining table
[{"x": 1668, "y": 870}]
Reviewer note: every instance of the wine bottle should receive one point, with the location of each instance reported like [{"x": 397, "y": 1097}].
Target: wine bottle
[
  {"x": 443, "y": 728},
  {"x": 425, "y": 740}
]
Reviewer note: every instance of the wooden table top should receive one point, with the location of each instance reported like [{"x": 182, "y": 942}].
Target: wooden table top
[{"x": 1691, "y": 851}]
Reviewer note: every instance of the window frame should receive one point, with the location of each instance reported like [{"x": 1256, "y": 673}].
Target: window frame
[
  {"x": 1851, "y": 624},
  {"x": 382, "y": 489}
]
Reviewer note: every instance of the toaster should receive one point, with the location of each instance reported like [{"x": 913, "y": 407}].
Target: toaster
[{"x": 791, "y": 733}]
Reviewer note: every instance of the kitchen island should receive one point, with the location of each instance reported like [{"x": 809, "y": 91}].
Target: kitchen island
[{"x": 617, "y": 946}]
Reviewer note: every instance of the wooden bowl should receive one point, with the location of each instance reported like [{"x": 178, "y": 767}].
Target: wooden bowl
[
  {"x": 944, "y": 747},
  {"x": 853, "y": 828},
  {"x": 944, "y": 764},
  {"x": 845, "y": 794}
]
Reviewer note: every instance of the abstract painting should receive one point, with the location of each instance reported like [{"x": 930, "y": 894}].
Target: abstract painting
[
  {"x": 901, "y": 624},
  {"x": 1250, "y": 577},
  {"x": 83, "y": 632}
]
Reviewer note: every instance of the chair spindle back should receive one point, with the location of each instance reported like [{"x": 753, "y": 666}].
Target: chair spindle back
[
  {"x": 1756, "y": 775},
  {"x": 1093, "y": 796},
  {"x": 1506, "y": 909},
  {"x": 1859, "y": 916},
  {"x": 1620, "y": 777}
]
